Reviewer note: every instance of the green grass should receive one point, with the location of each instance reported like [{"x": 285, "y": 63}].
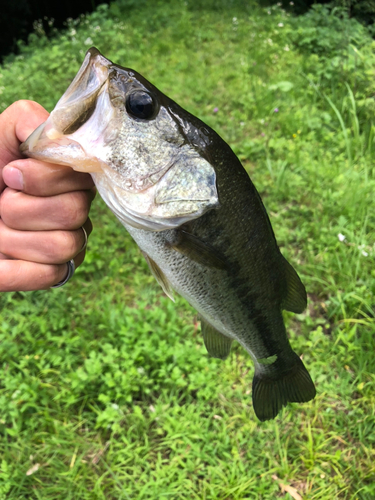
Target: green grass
[{"x": 105, "y": 383}]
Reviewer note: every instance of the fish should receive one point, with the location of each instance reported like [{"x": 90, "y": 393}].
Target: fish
[{"x": 189, "y": 204}]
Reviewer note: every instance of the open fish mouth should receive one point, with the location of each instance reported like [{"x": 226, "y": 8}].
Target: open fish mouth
[{"x": 54, "y": 139}]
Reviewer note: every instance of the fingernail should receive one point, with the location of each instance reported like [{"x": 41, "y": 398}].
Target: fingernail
[{"x": 13, "y": 178}]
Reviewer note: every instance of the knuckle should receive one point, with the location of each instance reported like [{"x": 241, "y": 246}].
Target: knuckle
[
  {"x": 26, "y": 106},
  {"x": 76, "y": 210},
  {"x": 64, "y": 247}
]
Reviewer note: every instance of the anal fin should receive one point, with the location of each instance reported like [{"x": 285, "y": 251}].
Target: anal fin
[
  {"x": 270, "y": 394},
  {"x": 159, "y": 276},
  {"x": 217, "y": 344}
]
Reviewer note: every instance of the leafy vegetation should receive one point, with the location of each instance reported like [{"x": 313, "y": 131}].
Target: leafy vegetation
[{"x": 106, "y": 391}]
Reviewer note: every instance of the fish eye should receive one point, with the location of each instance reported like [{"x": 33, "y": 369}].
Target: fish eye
[{"x": 140, "y": 104}]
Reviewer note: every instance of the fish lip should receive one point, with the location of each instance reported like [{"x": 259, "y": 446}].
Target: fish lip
[
  {"x": 87, "y": 67},
  {"x": 83, "y": 91}
]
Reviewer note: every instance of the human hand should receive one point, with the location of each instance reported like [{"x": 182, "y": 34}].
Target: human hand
[{"x": 43, "y": 208}]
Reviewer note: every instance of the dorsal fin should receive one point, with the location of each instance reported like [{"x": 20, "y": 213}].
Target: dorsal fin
[
  {"x": 159, "y": 276},
  {"x": 296, "y": 298},
  {"x": 217, "y": 344}
]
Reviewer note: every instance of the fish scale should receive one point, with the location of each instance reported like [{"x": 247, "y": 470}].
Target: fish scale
[{"x": 189, "y": 204}]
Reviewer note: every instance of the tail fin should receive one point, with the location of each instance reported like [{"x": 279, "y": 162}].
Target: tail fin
[{"x": 270, "y": 394}]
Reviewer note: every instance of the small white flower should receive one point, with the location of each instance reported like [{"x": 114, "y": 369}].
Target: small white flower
[
  {"x": 341, "y": 237},
  {"x": 32, "y": 469},
  {"x": 365, "y": 254},
  {"x": 280, "y": 25},
  {"x": 291, "y": 3},
  {"x": 88, "y": 41},
  {"x": 115, "y": 406},
  {"x": 286, "y": 48},
  {"x": 141, "y": 370},
  {"x": 234, "y": 19}
]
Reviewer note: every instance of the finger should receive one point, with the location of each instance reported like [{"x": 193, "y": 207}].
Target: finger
[
  {"x": 44, "y": 179},
  {"x": 44, "y": 247},
  {"x": 17, "y": 122},
  {"x": 24, "y": 276},
  {"x": 24, "y": 212}
]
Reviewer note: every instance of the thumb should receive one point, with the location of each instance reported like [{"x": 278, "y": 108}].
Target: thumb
[{"x": 16, "y": 124}]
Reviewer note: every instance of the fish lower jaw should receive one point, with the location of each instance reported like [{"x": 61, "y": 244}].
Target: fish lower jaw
[{"x": 48, "y": 144}]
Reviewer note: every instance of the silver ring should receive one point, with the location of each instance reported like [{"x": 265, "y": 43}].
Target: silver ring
[
  {"x": 71, "y": 269},
  {"x": 86, "y": 238}
]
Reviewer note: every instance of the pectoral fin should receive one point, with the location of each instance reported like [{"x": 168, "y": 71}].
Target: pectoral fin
[
  {"x": 159, "y": 276},
  {"x": 295, "y": 299},
  {"x": 197, "y": 250},
  {"x": 217, "y": 344}
]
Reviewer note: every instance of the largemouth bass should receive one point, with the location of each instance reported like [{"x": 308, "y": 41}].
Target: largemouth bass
[{"x": 185, "y": 198}]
